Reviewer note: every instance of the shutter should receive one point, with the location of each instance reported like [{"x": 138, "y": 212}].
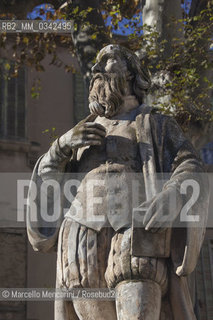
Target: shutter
[
  {"x": 12, "y": 105},
  {"x": 21, "y": 112},
  {"x": 11, "y": 114}
]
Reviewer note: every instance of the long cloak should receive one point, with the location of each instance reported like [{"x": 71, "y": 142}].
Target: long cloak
[{"x": 163, "y": 149}]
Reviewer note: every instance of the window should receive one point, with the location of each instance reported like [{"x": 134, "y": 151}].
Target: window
[{"x": 12, "y": 104}]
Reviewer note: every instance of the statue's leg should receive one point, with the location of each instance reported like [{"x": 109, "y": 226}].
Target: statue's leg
[
  {"x": 138, "y": 300},
  {"x": 95, "y": 309},
  {"x": 64, "y": 310},
  {"x": 82, "y": 264},
  {"x": 140, "y": 282}
]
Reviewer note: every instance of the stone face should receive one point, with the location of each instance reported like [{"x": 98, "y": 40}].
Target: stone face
[{"x": 121, "y": 140}]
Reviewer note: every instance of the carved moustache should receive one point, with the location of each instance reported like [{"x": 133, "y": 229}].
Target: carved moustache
[{"x": 106, "y": 94}]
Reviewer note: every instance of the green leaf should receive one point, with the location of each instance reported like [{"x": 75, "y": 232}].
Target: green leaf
[
  {"x": 75, "y": 11},
  {"x": 94, "y": 36},
  {"x": 7, "y": 66}
]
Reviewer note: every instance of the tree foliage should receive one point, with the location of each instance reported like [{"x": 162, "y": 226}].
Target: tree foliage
[{"x": 179, "y": 67}]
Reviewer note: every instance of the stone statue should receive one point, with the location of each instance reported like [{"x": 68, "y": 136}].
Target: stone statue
[{"x": 148, "y": 263}]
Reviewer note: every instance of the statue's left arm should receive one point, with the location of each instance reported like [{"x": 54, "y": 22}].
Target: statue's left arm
[{"x": 188, "y": 183}]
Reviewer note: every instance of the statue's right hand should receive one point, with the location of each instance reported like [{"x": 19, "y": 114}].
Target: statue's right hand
[{"x": 83, "y": 134}]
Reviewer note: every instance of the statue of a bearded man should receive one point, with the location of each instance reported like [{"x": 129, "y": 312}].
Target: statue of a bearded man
[{"x": 102, "y": 241}]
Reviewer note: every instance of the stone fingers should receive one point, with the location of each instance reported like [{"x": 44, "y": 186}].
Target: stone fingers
[{"x": 97, "y": 131}]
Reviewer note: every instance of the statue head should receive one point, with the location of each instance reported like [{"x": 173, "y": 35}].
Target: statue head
[{"x": 117, "y": 73}]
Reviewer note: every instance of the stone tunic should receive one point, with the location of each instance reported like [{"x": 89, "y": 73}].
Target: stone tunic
[
  {"x": 98, "y": 253},
  {"x": 111, "y": 180}
]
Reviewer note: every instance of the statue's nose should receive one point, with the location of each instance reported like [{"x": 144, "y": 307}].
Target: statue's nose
[{"x": 96, "y": 68}]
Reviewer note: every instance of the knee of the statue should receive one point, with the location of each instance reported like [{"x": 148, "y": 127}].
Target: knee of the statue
[{"x": 138, "y": 300}]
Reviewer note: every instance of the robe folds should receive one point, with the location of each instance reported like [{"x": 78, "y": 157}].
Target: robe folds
[{"x": 164, "y": 150}]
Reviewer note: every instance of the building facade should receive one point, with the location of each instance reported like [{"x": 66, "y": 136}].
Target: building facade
[{"x": 27, "y": 128}]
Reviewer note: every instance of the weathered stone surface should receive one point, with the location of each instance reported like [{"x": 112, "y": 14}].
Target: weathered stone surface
[
  {"x": 121, "y": 140},
  {"x": 147, "y": 300}
]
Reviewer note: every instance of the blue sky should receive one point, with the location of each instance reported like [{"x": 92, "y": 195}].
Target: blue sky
[
  {"x": 123, "y": 30},
  {"x": 186, "y": 5},
  {"x": 36, "y": 11}
]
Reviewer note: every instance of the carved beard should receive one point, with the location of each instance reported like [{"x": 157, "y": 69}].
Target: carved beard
[{"x": 106, "y": 94}]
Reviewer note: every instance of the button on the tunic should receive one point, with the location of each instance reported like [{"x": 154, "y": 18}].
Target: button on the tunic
[{"x": 114, "y": 123}]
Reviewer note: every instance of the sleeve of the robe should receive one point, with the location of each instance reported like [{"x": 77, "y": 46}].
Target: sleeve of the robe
[
  {"x": 182, "y": 161},
  {"x": 42, "y": 234},
  {"x": 51, "y": 166}
]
